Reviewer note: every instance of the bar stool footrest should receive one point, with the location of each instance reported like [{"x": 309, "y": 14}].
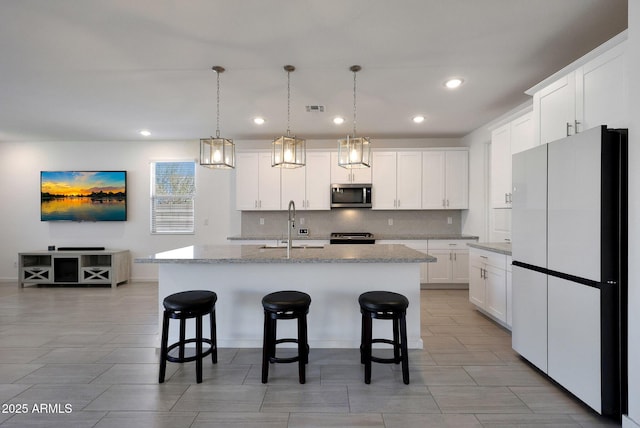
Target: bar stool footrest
[{"x": 194, "y": 357}]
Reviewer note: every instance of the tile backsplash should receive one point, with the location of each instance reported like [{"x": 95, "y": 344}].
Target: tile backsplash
[{"x": 322, "y": 223}]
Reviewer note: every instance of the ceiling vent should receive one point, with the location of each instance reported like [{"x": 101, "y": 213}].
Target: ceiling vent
[{"x": 315, "y": 109}]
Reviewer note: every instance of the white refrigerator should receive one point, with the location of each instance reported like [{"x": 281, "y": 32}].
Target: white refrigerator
[{"x": 569, "y": 243}]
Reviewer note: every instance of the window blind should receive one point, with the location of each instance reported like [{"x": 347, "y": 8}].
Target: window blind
[{"x": 173, "y": 191}]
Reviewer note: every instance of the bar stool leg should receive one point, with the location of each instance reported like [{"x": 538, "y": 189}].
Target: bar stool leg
[
  {"x": 214, "y": 337},
  {"x": 302, "y": 348},
  {"x": 183, "y": 328},
  {"x": 266, "y": 347},
  {"x": 199, "y": 349},
  {"x": 163, "y": 346},
  {"x": 362, "y": 328},
  {"x": 366, "y": 346},
  {"x": 405, "y": 353},
  {"x": 396, "y": 341}
]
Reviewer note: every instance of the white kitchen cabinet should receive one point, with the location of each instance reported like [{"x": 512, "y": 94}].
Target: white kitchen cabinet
[
  {"x": 605, "y": 89},
  {"x": 340, "y": 175},
  {"x": 590, "y": 95},
  {"x": 445, "y": 179},
  {"x": 257, "y": 182},
  {"x": 501, "y": 167},
  {"x": 397, "y": 180},
  {"x": 452, "y": 266},
  {"x": 510, "y": 138},
  {"x": 522, "y": 133},
  {"x": 488, "y": 283},
  {"x": 309, "y": 186},
  {"x": 554, "y": 107}
]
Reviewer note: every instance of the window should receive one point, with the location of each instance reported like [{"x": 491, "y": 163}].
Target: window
[{"x": 173, "y": 188}]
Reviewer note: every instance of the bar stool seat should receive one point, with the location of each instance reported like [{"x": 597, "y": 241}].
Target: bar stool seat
[
  {"x": 384, "y": 305},
  {"x": 285, "y": 305},
  {"x": 183, "y": 306}
]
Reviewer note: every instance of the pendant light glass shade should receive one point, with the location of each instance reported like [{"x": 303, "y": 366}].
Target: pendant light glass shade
[
  {"x": 288, "y": 151},
  {"x": 217, "y": 152},
  {"x": 354, "y": 152}
]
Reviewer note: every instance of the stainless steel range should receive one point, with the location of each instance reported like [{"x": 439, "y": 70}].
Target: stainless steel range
[{"x": 352, "y": 238}]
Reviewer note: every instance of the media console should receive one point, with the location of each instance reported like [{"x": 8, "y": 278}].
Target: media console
[{"x": 79, "y": 267}]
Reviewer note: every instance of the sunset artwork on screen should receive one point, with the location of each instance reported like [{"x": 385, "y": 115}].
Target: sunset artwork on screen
[{"x": 83, "y": 195}]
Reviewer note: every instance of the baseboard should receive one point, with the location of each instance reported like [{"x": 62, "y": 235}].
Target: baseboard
[
  {"x": 629, "y": 423},
  {"x": 444, "y": 286}
]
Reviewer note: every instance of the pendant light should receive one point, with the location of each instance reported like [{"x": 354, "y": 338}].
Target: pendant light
[
  {"x": 217, "y": 152},
  {"x": 288, "y": 151},
  {"x": 354, "y": 152}
]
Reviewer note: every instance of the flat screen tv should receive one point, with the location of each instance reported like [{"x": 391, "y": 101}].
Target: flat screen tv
[{"x": 83, "y": 195}]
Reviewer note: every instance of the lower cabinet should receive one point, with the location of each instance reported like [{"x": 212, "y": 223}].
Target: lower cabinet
[
  {"x": 490, "y": 285},
  {"x": 452, "y": 266}
]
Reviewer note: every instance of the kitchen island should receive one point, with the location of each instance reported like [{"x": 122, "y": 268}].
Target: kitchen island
[{"x": 333, "y": 275}]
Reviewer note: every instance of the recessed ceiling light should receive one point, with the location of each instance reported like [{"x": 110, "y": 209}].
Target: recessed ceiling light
[
  {"x": 418, "y": 119},
  {"x": 453, "y": 83},
  {"x": 338, "y": 120},
  {"x": 145, "y": 133},
  {"x": 258, "y": 120}
]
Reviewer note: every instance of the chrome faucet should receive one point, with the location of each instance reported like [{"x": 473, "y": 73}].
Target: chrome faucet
[{"x": 290, "y": 225}]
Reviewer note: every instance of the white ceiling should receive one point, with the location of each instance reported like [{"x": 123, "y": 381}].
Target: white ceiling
[{"x": 104, "y": 69}]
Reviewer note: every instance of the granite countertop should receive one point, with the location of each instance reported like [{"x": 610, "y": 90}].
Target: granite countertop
[
  {"x": 378, "y": 236},
  {"x": 496, "y": 247},
  {"x": 362, "y": 253}
]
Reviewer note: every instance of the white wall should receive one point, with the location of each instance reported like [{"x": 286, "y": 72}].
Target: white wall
[
  {"x": 22, "y": 230},
  {"x": 634, "y": 214}
]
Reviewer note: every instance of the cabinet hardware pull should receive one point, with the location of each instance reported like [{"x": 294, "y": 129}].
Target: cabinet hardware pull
[
  {"x": 506, "y": 198},
  {"x": 569, "y": 126},
  {"x": 447, "y": 202},
  {"x": 255, "y": 204},
  {"x": 576, "y": 126},
  {"x": 398, "y": 203},
  {"x": 484, "y": 257},
  {"x": 455, "y": 257},
  {"x": 443, "y": 203},
  {"x": 450, "y": 257}
]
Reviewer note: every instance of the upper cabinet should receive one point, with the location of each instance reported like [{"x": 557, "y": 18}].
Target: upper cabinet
[
  {"x": 401, "y": 180},
  {"x": 445, "y": 179},
  {"x": 397, "y": 181},
  {"x": 508, "y": 139},
  {"x": 257, "y": 182},
  {"x": 594, "y": 94},
  {"x": 308, "y": 186},
  {"x": 340, "y": 175}
]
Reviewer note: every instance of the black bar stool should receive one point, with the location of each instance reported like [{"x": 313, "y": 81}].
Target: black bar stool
[
  {"x": 388, "y": 306},
  {"x": 183, "y": 306},
  {"x": 285, "y": 305}
]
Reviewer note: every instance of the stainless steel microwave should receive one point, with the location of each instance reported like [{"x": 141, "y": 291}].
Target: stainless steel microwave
[{"x": 351, "y": 196}]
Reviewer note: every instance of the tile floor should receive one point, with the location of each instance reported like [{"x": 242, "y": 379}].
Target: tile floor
[{"x": 88, "y": 356}]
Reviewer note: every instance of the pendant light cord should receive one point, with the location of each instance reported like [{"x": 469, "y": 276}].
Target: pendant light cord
[
  {"x": 218, "y": 106},
  {"x": 288, "y": 100},
  {"x": 354, "y": 104}
]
